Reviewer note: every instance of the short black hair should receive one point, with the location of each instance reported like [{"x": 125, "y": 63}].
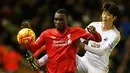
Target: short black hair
[
  {"x": 62, "y": 11},
  {"x": 111, "y": 8}
]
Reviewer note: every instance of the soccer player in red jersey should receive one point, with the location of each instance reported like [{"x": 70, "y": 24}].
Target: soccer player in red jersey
[{"x": 60, "y": 44}]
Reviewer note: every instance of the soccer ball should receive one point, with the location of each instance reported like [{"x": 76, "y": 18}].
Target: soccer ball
[{"x": 26, "y": 36}]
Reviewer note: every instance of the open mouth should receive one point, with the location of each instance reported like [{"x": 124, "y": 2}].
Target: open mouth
[{"x": 104, "y": 20}]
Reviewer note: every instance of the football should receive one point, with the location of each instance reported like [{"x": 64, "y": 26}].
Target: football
[{"x": 26, "y": 36}]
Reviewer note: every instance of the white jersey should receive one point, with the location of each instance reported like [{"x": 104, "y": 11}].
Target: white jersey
[{"x": 96, "y": 60}]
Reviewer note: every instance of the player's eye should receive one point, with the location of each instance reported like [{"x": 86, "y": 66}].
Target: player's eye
[
  {"x": 55, "y": 19},
  {"x": 60, "y": 19}
]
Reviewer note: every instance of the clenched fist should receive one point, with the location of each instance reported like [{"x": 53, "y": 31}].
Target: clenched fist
[{"x": 91, "y": 29}]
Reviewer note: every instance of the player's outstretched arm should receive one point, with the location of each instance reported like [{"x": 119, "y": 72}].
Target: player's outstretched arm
[
  {"x": 101, "y": 48},
  {"x": 96, "y": 35},
  {"x": 39, "y": 51},
  {"x": 92, "y": 34}
]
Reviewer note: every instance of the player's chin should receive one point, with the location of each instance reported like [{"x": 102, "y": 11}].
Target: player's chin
[{"x": 58, "y": 28}]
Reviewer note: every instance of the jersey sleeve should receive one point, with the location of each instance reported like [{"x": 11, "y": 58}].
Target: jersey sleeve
[
  {"x": 104, "y": 47},
  {"x": 39, "y": 51},
  {"x": 95, "y": 37},
  {"x": 81, "y": 33},
  {"x": 38, "y": 43}
]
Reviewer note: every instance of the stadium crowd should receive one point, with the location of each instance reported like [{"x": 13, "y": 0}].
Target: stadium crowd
[{"x": 39, "y": 13}]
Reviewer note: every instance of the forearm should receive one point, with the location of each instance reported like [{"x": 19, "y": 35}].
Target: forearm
[
  {"x": 99, "y": 50},
  {"x": 43, "y": 60},
  {"x": 33, "y": 47},
  {"x": 37, "y": 44},
  {"x": 94, "y": 50},
  {"x": 39, "y": 51},
  {"x": 94, "y": 37}
]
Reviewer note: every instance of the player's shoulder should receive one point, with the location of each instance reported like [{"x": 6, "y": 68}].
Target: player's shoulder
[
  {"x": 76, "y": 28},
  {"x": 117, "y": 33},
  {"x": 50, "y": 30},
  {"x": 47, "y": 31}
]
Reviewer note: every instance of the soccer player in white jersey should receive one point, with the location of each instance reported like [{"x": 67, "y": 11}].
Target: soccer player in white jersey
[{"x": 96, "y": 58}]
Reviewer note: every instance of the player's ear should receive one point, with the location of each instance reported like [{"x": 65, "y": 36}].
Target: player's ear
[{"x": 115, "y": 17}]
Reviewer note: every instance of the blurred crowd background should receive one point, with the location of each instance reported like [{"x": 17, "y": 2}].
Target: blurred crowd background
[{"x": 39, "y": 13}]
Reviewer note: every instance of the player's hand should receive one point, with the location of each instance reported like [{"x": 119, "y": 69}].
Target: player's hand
[
  {"x": 29, "y": 56},
  {"x": 32, "y": 61},
  {"x": 91, "y": 29},
  {"x": 77, "y": 42},
  {"x": 25, "y": 25}
]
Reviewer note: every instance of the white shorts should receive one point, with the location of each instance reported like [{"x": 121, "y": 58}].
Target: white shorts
[{"x": 83, "y": 66}]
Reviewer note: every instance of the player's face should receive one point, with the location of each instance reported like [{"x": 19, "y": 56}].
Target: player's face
[
  {"x": 60, "y": 21},
  {"x": 107, "y": 18}
]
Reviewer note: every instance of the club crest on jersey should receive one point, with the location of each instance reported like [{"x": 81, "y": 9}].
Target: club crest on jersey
[
  {"x": 62, "y": 42},
  {"x": 105, "y": 39},
  {"x": 111, "y": 45},
  {"x": 69, "y": 40},
  {"x": 53, "y": 37}
]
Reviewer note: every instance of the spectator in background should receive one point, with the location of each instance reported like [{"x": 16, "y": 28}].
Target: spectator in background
[
  {"x": 11, "y": 61},
  {"x": 124, "y": 26},
  {"x": 125, "y": 64}
]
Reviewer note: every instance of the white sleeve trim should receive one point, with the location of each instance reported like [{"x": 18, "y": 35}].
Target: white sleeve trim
[{"x": 43, "y": 60}]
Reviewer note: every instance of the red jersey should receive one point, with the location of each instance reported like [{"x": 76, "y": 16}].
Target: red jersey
[
  {"x": 39, "y": 51},
  {"x": 60, "y": 48}
]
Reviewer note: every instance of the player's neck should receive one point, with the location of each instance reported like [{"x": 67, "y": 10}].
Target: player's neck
[
  {"x": 64, "y": 30},
  {"x": 106, "y": 27}
]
